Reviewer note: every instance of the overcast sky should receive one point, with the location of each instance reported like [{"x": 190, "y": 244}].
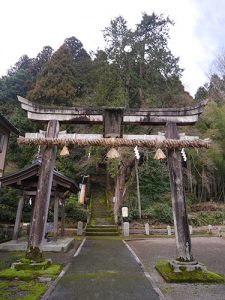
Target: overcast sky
[{"x": 28, "y": 25}]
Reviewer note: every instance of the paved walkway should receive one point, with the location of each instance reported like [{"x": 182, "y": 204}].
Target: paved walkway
[
  {"x": 210, "y": 251},
  {"x": 104, "y": 269}
]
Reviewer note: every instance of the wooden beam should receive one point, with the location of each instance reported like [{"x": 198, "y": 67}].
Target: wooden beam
[
  {"x": 34, "y": 249},
  {"x": 183, "y": 240},
  {"x": 18, "y": 217}
]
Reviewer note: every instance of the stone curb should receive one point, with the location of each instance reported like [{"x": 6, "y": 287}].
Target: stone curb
[
  {"x": 62, "y": 273},
  {"x": 147, "y": 275}
]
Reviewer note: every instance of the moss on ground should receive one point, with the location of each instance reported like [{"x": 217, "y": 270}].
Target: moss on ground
[
  {"x": 26, "y": 275},
  {"x": 21, "y": 290},
  {"x": 165, "y": 269},
  {"x": 24, "y": 284},
  {"x": 35, "y": 290}
]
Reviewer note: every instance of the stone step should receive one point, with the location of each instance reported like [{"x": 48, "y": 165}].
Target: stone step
[
  {"x": 102, "y": 233},
  {"x": 102, "y": 226},
  {"x": 100, "y": 229}
]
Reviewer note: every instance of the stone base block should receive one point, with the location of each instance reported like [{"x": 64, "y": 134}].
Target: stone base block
[{"x": 179, "y": 266}]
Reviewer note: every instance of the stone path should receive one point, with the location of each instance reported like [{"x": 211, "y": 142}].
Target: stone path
[{"x": 104, "y": 269}]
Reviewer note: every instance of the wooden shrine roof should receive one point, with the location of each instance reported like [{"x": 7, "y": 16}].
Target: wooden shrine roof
[
  {"x": 8, "y": 126},
  {"x": 27, "y": 179}
]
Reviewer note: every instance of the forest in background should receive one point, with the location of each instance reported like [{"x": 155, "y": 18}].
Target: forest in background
[{"x": 136, "y": 69}]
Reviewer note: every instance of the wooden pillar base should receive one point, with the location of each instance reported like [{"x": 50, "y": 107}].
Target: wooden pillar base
[{"x": 34, "y": 253}]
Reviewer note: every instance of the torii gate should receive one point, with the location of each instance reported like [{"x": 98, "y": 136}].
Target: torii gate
[{"x": 113, "y": 120}]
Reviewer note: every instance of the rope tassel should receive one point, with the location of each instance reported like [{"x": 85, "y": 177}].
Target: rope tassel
[
  {"x": 64, "y": 152},
  {"x": 159, "y": 155}
]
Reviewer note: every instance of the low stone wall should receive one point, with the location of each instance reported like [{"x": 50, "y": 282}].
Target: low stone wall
[{"x": 215, "y": 230}]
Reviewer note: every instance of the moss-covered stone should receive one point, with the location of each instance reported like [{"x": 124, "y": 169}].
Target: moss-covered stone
[
  {"x": 26, "y": 264},
  {"x": 165, "y": 269}
]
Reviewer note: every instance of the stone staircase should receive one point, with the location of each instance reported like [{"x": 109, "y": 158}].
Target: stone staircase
[{"x": 101, "y": 218}]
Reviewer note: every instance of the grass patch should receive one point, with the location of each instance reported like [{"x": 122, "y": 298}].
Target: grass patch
[
  {"x": 166, "y": 271},
  {"x": 26, "y": 275}
]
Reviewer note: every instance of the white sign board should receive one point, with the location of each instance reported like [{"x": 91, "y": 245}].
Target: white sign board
[{"x": 124, "y": 212}]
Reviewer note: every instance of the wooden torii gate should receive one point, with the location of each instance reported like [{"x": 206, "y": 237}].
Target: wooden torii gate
[{"x": 113, "y": 120}]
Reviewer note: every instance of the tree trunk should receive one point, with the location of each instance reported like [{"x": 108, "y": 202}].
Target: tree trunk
[{"x": 41, "y": 206}]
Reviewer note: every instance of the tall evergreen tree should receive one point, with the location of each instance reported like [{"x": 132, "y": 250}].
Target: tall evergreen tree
[{"x": 55, "y": 82}]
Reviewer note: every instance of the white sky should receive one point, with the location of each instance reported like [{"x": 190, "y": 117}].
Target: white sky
[{"x": 28, "y": 25}]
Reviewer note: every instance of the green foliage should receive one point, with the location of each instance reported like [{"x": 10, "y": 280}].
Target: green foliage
[
  {"x": 154, "y": 180},
  {"x": 75, "y": 211},
  {"x": 113, "y": 166},
  {"x": 159, "y": 213},
  {"x": 206, "y": 218},
  {"x": 55, "y": 82},
  {"x": 146, "y": 68},
  {"x": 8, "y": 204}
]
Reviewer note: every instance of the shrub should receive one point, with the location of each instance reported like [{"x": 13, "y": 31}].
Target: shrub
[
  {"x": 205, "y": 218},
  {"x": 75, "y": 211},
  {"x": 159, "y": 213}
]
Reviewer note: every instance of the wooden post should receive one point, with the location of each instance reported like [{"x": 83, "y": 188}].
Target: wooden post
[
  {"x": 34, "y": 249},
  {"x": 18, "y": 217},
  {"x": 56, "y": 210},
  {"x": 63, "y": 219},
  {"x": 116, "y": 198},
  {"x": 138, "y": 189},
  {"x": 183, "y": 240},
  {"x": 4, "y": 139}
]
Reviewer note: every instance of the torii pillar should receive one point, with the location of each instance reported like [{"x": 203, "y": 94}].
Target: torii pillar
[
  {"x": 41, "y": 206},
  {"x": 182, "y": 234}
]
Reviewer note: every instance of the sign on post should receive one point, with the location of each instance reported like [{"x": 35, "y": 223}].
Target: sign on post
[{"x": 125, "y": 212}]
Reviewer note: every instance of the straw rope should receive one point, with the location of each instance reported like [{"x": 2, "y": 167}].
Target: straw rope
[{"x": 118, "y": 142}]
